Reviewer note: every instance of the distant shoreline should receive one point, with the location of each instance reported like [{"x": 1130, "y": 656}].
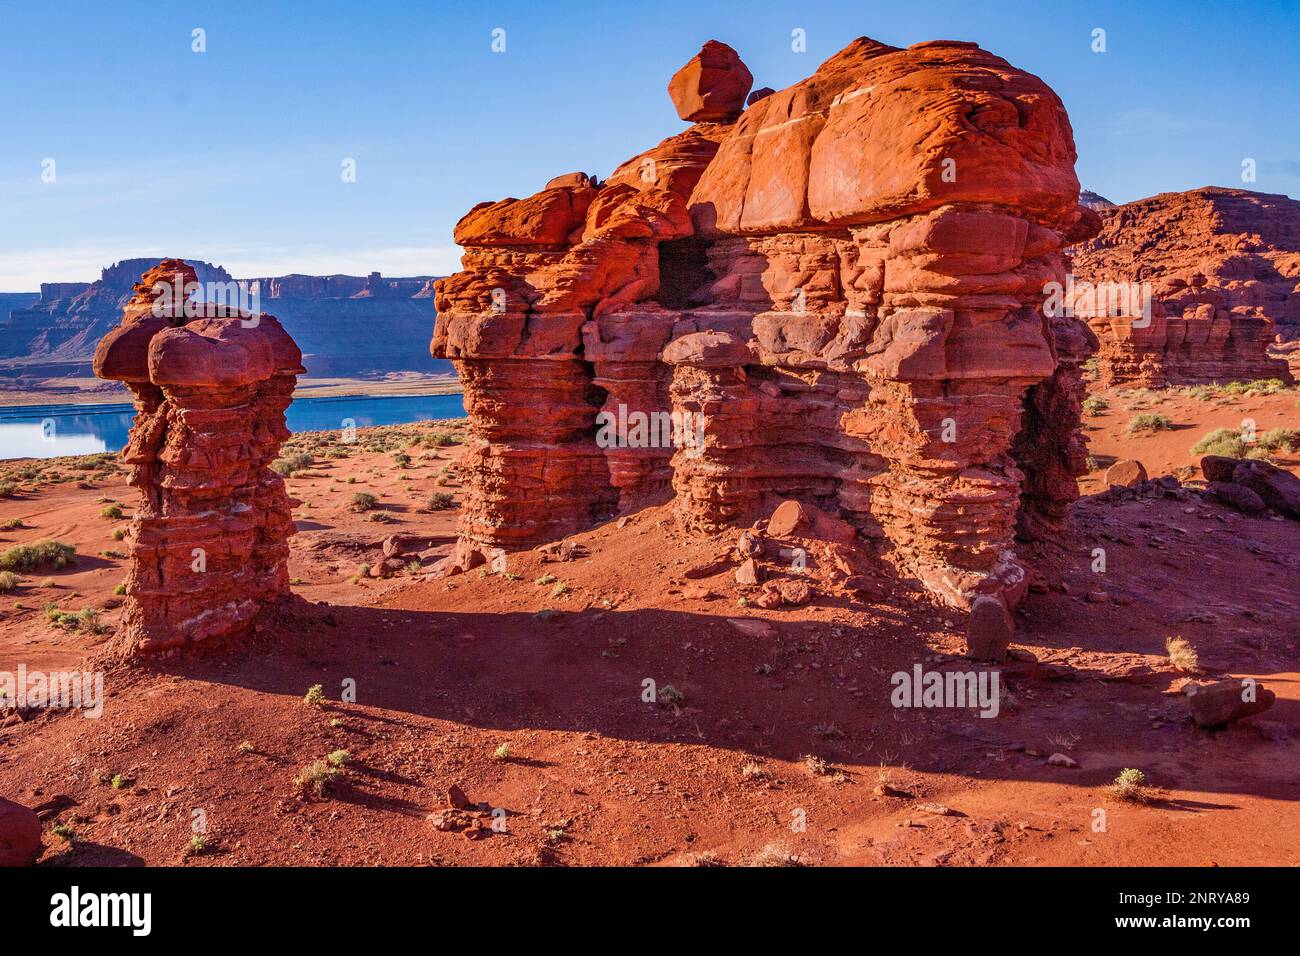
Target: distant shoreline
[{"x": 72, "y": 392}]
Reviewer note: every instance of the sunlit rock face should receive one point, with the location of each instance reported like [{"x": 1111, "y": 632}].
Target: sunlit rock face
[
  {"x": 1191, "y": 288},
  {"x": 835, "y": 295},
  {"x": 209, "y": 543}
]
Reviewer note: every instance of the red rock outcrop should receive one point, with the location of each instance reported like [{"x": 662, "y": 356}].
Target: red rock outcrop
[
  {"x": 1222, "y": 268},
  {"x": 837, "y": 299},
  {"x": 209, "y": 541}
]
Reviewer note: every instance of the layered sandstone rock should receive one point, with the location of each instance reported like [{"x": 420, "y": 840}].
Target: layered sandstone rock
[
  {"x": 209, "y": 542},
  {"x": 835, "y": 298},
  {"x": 1220, "y": 271}
]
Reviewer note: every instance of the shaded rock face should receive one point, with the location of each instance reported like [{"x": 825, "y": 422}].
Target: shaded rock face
[
  {"x": 836, "y": 299},
  {"x": 1223, "y": 267},
  {"x": 209, "y": 542}
]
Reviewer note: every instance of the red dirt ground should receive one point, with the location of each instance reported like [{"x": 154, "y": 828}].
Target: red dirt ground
[{"x": 449, "y": 670}]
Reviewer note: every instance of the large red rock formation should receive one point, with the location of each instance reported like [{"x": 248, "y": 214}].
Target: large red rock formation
[
  {"x": 209, "y": 542},
  {"x": 1223, "y": 268},
  {"x": 840, "y": 292}
]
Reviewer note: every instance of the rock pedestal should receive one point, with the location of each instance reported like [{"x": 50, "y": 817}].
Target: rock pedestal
[{"x": 209, "y": 542}]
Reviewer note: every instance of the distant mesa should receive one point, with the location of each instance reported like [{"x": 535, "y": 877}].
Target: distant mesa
[
  {"x": 1222, "y": 268},
  {"x": 346, "y": 325}
]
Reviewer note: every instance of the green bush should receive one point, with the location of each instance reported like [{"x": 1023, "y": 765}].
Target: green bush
[
  {"x": 363, "y": 501},
  {"x": 441, "y": 501},
  {"x": 1148, "y": 422},
  {"x": 1280, "y": 439},
  {"x": 25, "y": 557},
  {"x": 291, "y": 463},
  {"x": 1221, "y": 441},
  {"x": 1095, "y": 405},
  {"x": 113, "y": 511}
]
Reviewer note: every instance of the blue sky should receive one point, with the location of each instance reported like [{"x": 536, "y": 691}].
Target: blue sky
[{"x": 234, "y": 155}]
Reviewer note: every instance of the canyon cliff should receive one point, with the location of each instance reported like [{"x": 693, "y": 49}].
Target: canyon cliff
[
  {"x": 1217, "y": 277},
  {"x": 833, "y": 295}
]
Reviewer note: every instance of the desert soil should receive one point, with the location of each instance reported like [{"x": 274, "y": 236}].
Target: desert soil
[{"x": 528, "y": 696}]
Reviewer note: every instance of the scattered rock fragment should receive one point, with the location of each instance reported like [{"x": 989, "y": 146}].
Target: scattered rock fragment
[{"x": 1212, "y": 705}]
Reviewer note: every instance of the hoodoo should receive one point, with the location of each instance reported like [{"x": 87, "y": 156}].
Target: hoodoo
[
  {"x": 209, "y": 542},
  {"x": 843, "y": 282}
]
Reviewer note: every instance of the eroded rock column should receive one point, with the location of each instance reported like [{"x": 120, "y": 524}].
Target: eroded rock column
[{"x": 209, "y": 543}]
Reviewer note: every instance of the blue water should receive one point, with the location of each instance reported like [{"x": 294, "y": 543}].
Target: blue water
[{"x": 48, "y": 431}]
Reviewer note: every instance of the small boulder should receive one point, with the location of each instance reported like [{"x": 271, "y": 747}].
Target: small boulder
[
  {"x": 753, "y": 627},
  {"x": 1125, "y": 474},
  {"x": 748, "y": 573},
  {"x": 1061, "y": 760},
  {"x": 989, "y": 630},
  {"x": 1278, "y": 489},
  {"x": 762, "y": 93},
  {"x": 1237, "y": 496},
  {"x": 396, "y": 545},
  {"x": 795, "y": 592},
  {"x": 788, "y": 517},
  {"x": 1218, "y": 468},
  {"x": 712, "y": 86},
  {"x": 750, "y": 545},
  {"x": 1227, "y": 700},
  {"x": 20, "y": 834}
]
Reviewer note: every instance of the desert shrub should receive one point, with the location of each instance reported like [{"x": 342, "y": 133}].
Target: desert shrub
[
  {"x": 119, "y": 534},
  {"x": 1095, "y": 405},
  {"x": 1260, "y": 386},
  {"x": 24, "y": 557},
  {"x": 441, "y": 439},
  {"x": 8, "y": 489},
  {"x": 1182, "y": 655},
  {"x": 441, "y": 501},
  {"x": 1280, "y": 439},
  {"x": 87, "y": 619},
  {"x": 13, "y": 524},
  {"x": 1221, "y": 441},
  {"x": 8, "y": 581},
  {"x": 363, "y": 501},
  {"x": 288, "y": 464},
  {"x": 315, "y": 778},
  {"x": 315, "y": 695},
  {"x": 1148, "y": 422},
  {"x": 112, "y": 512},
  {"x": 1130, "y": 785},
  {"x": 401, "y": 459}
]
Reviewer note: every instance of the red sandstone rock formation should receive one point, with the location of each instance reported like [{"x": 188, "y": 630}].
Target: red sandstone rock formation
[
  {"x": 840, "y": 293},
  {"x": 1224, "y": 272},
  {"x": 209, "y": 542}
]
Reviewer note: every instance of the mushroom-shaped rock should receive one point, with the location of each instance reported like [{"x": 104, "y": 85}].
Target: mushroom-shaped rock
[
  {"x": 210, "y": 536},
  {"x": 711, "y": 88}
]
